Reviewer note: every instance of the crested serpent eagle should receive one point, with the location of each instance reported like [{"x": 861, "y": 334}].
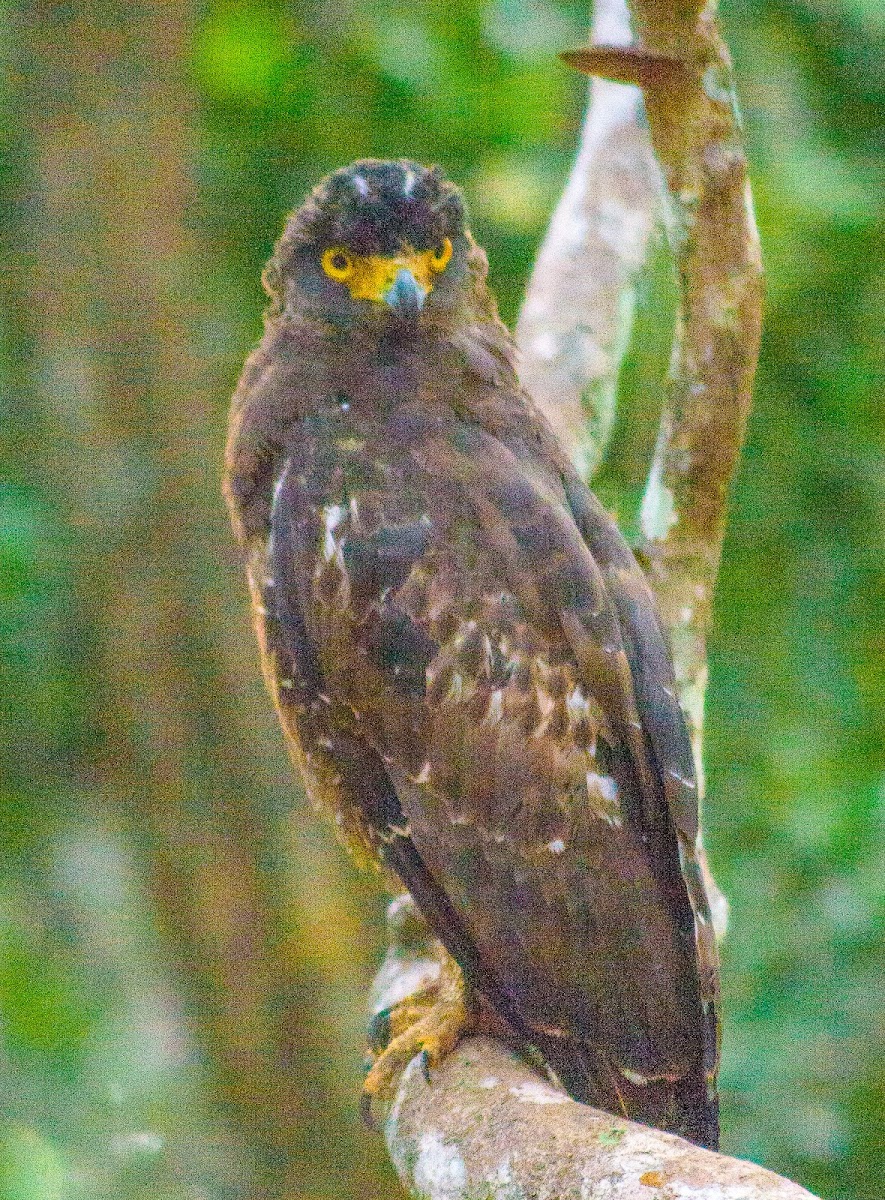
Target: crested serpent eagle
[{"x": 466, "y": 658}]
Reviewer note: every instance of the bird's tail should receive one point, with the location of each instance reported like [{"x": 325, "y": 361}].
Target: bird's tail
[{"x": 687, "y": 1106}]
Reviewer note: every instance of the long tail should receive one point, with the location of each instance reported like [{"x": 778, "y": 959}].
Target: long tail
[{"x": 687, "y": 1106}]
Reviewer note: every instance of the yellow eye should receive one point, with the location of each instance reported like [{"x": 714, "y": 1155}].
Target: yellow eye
[
  {"x": 337, "y": 263},
  {"x": 439, "y": 258}
]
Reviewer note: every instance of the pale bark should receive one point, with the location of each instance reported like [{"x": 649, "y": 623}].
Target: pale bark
[
  {"x": 488, "y": 1128},
  {"x": 576, "y": 319},
  {"x": 685, "y": 71}
]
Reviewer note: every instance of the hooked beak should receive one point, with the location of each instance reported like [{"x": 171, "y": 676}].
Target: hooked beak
[{"x": 405, "y": 295}]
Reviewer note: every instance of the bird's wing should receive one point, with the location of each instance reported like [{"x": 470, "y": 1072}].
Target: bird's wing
[
  {"x": 647, "y": 649},
  {"x": 666, "y": 739},
  {"x": 346, "y": 777},
  {"x": 662, "y": 720},
  {"x": 464, "y": 634}
]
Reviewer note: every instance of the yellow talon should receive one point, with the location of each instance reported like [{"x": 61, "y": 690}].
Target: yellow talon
[{"x": 429, "y": 1022}]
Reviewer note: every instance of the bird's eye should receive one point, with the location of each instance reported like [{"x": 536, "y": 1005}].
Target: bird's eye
[
  {"x": 337, "y": 263},
  {"x": 439, "y": 258}
]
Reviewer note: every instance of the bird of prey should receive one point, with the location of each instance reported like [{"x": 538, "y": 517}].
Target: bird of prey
[{"x": 466, "y": 658}]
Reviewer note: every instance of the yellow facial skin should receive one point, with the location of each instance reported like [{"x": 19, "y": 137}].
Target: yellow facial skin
[{"x": 371, "y": 276}]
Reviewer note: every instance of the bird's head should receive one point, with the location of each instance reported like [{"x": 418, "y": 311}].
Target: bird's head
[{"x": 377, "y": 242}]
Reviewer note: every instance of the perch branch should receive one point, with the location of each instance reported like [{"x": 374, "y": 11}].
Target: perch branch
[{"x": 488, "y": 1127}]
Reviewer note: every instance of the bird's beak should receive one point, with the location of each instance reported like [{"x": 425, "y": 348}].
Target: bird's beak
[
  {"x": 405, "y": 295},
  {"x": 400, "y": 281}
]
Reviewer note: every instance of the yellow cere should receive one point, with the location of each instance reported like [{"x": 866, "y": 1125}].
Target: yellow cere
[{"x": 368, "y": 277}]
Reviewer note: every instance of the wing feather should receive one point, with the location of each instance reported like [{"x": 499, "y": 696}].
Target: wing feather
[
  {"x": 347, "y": 775},
  {"x": 495, "y": 671}
]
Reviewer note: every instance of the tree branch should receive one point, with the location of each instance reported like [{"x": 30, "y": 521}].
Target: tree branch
[
  {"x": 490, "y": 1127},
  {"x": 575, "y": 322},
  {"x": 685, "y": 71}
]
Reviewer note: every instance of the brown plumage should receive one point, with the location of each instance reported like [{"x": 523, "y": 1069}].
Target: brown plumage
[{"x": 467, "y": 660}]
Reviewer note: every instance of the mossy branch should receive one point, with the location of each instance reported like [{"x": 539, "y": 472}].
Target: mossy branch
[{"x": 487, "y": 1129}]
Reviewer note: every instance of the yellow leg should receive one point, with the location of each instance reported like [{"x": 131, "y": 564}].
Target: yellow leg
[{"x": 429, "y": 1022}]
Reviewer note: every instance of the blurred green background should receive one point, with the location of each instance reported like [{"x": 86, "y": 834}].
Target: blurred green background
[{"x": 184, "y": 955}]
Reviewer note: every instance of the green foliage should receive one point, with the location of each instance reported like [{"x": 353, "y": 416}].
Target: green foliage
[{"x": 104, "y": 1090}]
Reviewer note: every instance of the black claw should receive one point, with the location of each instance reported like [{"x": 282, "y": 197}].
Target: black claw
[
  {"x": 425, "y": 1066},
  {"x": 378, "y": 1031}
]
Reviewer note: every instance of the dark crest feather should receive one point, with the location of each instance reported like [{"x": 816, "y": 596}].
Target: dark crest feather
[{"x": 372, "y": 206}]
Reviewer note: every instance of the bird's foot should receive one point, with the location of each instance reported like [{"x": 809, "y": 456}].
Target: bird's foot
[{"x": 429, "y": 1022}]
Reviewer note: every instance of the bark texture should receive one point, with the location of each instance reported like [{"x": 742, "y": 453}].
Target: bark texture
[
  {"x": 488, "y": 1128},
  {"x": 683, "y": 67},
  {"x": 576, "y": 318}
]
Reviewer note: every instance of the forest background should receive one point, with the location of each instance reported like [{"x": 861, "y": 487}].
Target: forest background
[{"x": 185, "y": 952}]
